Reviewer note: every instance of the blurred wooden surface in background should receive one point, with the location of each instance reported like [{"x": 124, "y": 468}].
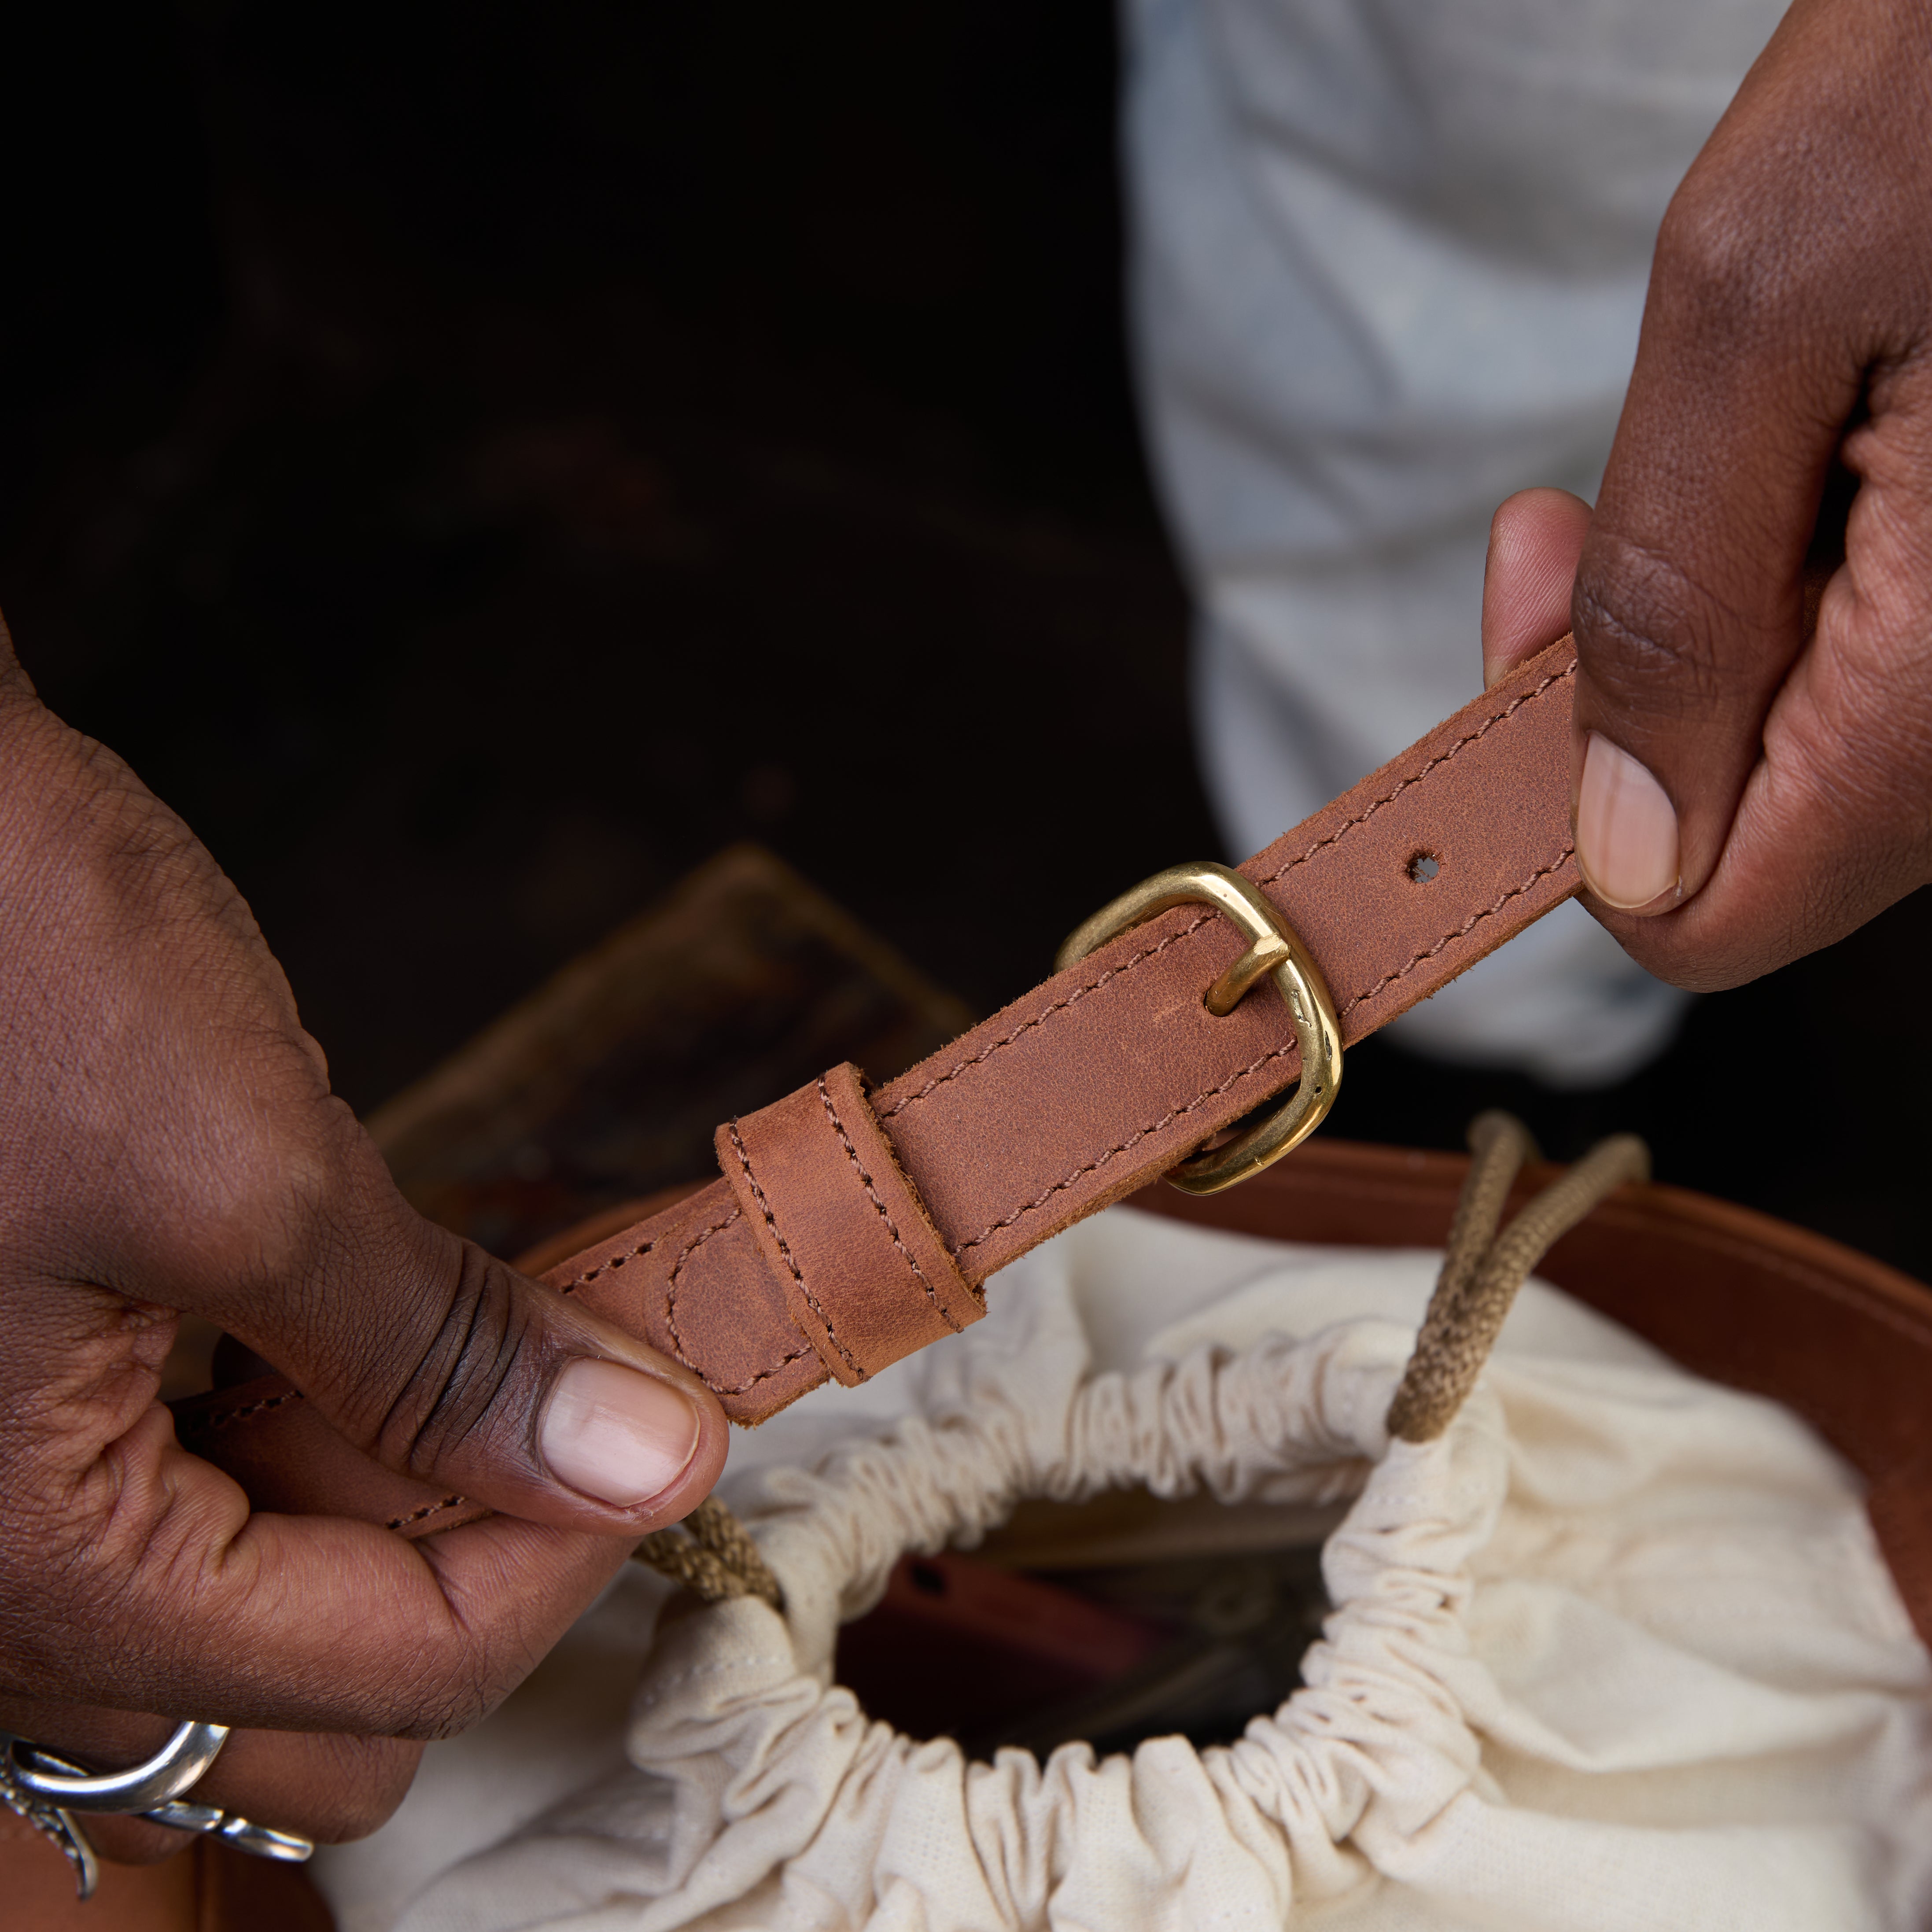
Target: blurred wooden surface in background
[{"x": 607, "y": 1082}]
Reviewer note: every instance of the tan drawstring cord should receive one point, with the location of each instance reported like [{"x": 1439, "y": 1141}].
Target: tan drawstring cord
[
  {"x": 712, "y": 1554},
  {"x": 1482, "y": 1270}
]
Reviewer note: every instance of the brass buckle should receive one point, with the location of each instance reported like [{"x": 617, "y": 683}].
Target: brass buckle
[{"x": 1274, "y": 948}]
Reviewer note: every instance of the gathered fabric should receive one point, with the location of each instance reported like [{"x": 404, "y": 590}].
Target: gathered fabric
[{"x": 1616, "y": 1650}]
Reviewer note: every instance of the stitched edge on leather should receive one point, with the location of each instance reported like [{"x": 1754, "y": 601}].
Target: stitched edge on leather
[
  {"x": 206, "y": 1424},
  {"x": 1045, "y": 1013},
  {"x": 685, "y": 1253},
  {"x": 1463, "y": 930},
  {"x": 609, "y": 1267},
  {"x": 1274, "y": 1053},
  {"x": 785, "y": 1248},
  {"x": 872, "y": 1195},
  {"x": 1117, "y": 972},
  {"x": 1441, "y": 758},
  {"x": 208, "y": 1420},
  {"x": 1127, "y": 966},
  {"x": 428, "y": 1510}
]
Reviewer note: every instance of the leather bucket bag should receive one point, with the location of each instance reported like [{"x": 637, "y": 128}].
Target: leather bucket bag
[{"x": 850, "y": 1226}]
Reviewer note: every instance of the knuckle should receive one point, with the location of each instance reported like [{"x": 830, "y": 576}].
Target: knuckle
[
  {"x": 1646, "y": 632},
  {"x": 79, "y": 1581},
  {"x": 331, "y": 1787},
  {"x": 1715, "y": 262},
  {"x": 446, "y": 1700},
  {"x": 449, "y": 1401},
  {"x": 261, "y": 1206}
]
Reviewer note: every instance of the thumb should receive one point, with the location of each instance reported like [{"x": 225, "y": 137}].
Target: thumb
[
  {"x": 1772, "y": 303},
  {"x": 442, "y": 1362},
  {"x": 1689, "y": 606}
]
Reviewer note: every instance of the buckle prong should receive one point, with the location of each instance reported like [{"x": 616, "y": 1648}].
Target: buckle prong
[
  {"x": 1233, "y": 987},
  {"x": 1274, "y": 951}
]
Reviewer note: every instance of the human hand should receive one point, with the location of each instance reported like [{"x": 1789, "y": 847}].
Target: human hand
[
  {"x": 169, "y": 1143},
  {"x": 1750, "y": 787}
]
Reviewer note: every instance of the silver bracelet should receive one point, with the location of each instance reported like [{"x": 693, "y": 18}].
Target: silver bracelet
[{"x": 48, "y": 1790}]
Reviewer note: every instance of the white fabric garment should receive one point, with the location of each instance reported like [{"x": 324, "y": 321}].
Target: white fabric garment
[
  {"x": 1388, "y": 262},
  {"x": 1618, "y": 1651}
]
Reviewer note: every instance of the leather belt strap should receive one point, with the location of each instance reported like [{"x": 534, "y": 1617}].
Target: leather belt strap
[
  {"x": 850, "y": 1230},
  {"x": 866, "y": 1277}
]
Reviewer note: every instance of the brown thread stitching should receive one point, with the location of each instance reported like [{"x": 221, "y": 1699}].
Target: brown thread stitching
[
  {"x": 1139, "y": 958},
  {"x": 1482, "y": 730},
  {"x": 872, "y": 1195},
  {"x": 427, "y": 1509},
  {"x": 1275, "y": 1053},
  {"x": 765, "y": 1209},
  {"x": 1127, "y": 966},
  {"x": 1138, "y": 1135},
  {"x": 685, "y": 1253},
  {"x": 205, "y": 1423},
  {"x": 1039, "y": 1018},
  {"x": 616, "y": 1261},
  {"x": 1462, "y": 931}
]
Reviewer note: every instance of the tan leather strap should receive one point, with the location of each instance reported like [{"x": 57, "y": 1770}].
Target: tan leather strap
[
  {"x": 1113, "y": 1070},
  {"x": 848, "y": 1231},
  {"x": 867, "y": 1279}
]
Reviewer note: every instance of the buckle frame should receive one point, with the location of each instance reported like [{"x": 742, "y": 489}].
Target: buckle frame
[{"x": 1274, "y": 951}]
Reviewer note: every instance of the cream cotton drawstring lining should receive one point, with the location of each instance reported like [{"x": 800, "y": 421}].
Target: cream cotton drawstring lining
[
  {"x": 1614, "y": 1650},
  {"x": 712, "y": 1556}
]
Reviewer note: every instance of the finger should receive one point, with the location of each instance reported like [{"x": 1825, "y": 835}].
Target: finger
[
  {"x": 16, "y": 688},
  {"x": 1833, "y": 825},
  {"x": 1690, "y": 604},
  {"x": 445, "y": 1364},
  {"x": 437, "y": 1359},
  {"x": 157, "y": 1591},
  {"x": 190, "y": 1156},
  {"x": 1535, "y": 539},
  {"x": 332, "y": 1789}
]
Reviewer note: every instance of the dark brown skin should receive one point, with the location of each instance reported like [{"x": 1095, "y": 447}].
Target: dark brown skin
[
  {"x": 1789, "y": 330},
  {"x": 168, "y": 1143}
]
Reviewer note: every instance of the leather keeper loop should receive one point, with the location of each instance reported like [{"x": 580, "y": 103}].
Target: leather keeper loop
[{"x": 865, "y": 1275}]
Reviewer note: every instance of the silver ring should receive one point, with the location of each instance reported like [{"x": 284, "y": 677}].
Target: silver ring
[
  {"x": 260, "y": 1841},
  {"x": 58, "y": 1828},
  {"x": 57, "y": 1821},
  {"x": 175, "y": 1768}
]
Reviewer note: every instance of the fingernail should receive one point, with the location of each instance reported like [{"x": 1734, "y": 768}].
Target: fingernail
[
  {"x": 1626, "y": 829},
  {"x": 617, "y": 1435}
]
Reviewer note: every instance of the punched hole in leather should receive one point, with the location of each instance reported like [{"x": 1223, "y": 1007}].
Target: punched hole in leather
[{"x": 1071, "y": 1097}]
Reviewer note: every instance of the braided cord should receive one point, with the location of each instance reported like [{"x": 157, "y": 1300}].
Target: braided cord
[
  {"x": 712, "y": 1554},
  {"x": 1482, "y": 1270}
]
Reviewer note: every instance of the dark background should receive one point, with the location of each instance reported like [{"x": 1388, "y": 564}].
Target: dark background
[{"x": 477, "y": 462}]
